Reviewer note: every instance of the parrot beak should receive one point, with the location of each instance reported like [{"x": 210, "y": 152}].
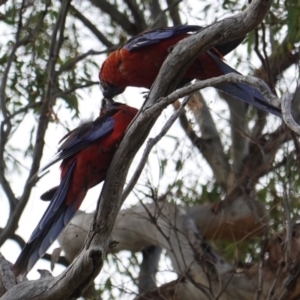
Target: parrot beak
[{"x": 110, "y": 90}]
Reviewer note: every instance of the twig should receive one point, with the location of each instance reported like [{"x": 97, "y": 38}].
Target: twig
[
  {"x": 150, "y": 144},
  {"x": 288, "y": 223},
  {"x": 24, "y": 109},
  {"x": 266, "y": 60},
  {"x": 257, "y": 50},
  {"x": 101, "y": 37},
  {"x": 231, "y": 78},
  {"x": 173, "y": 6},
  {"x": 261, "y": 265},
  {"x": 138, "y": 15},
  {"x": 273, "y": 286},
  {"x": 70, "y": 65},
  {"x": 74, "y": 88},
  {"x": 116, "y": 16}
]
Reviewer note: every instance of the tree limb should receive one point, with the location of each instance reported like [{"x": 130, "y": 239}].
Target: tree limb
[
  {"x": 209, "y": 144},
  {"x": 239, "y": 132},
  {"x": 7, "y": 278},
  {"x": 149, "y": 268}
]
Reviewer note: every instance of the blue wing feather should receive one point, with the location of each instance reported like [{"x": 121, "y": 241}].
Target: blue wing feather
[
  {"x": 80, "y": 138},
  {"x": 55, "y": 205},
  {"x": 242, "y": 91},
  {"x": 54, "y": 220},
  {"x": 156, "y": 36}
]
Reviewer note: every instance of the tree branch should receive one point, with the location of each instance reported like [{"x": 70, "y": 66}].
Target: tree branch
[
  {"x": 209, "y": 145},
  {"x": 7, "y": 278},
  {"x": 150, "y": 144},
  {"x": 174, "y": 11},
  {"x": 137, "y": 14},
  {"x": 59, "y": 287},
  {"x": 239, "y": 132},
  {"x": 158, "y": 15},
  {"x": 70, "y": 65},
  {"x": 163, "y": 224},
  {"x": 116, "y": 16},
  {"x": 74, "y": 88},
  {"x": 148, "y": 269},
  {"x": 287, "y": 113}
]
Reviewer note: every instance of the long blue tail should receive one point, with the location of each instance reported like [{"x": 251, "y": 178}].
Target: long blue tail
[
  {"x": 55, "y": 219},
  {"x": 242, "y": 91}
]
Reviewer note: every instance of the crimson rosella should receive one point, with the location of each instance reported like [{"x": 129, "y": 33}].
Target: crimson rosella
[
  {"x": 138, "y": 62},
  {"x": 86, "y": 154}
]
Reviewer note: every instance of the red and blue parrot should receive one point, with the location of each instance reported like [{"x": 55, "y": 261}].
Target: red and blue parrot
[
  {"x": 138, "y": 62},
  {"x": 86, "y": 154}
]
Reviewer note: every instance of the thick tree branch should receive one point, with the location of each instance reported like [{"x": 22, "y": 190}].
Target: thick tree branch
[
  {"x": 239, "y": 132},
  {"x": 7, "y": 278},
  {"x": 209, "y": 144},
  {"x": 287, "y": 115},
  {"x": 59, "y": 287},
  {"x": 148, "y": 269},
  {"x": 168, "y": 78},
  {"x": 234, "y": 221},
  {"x": 163, "y": 224}
]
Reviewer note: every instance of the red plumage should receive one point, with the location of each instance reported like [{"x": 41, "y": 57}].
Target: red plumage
[
  {"x": 87, "y": 153},
  {"x": 125, "y": 68},
  {"x": 138, "y": 62}
]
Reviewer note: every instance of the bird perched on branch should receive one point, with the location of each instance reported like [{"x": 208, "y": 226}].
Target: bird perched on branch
[
  {"x": 138, "y": 62},
  {"x": 86, "y": 153}
]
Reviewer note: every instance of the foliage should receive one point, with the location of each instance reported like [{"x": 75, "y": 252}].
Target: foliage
[{"x": 48, "y": 67}]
